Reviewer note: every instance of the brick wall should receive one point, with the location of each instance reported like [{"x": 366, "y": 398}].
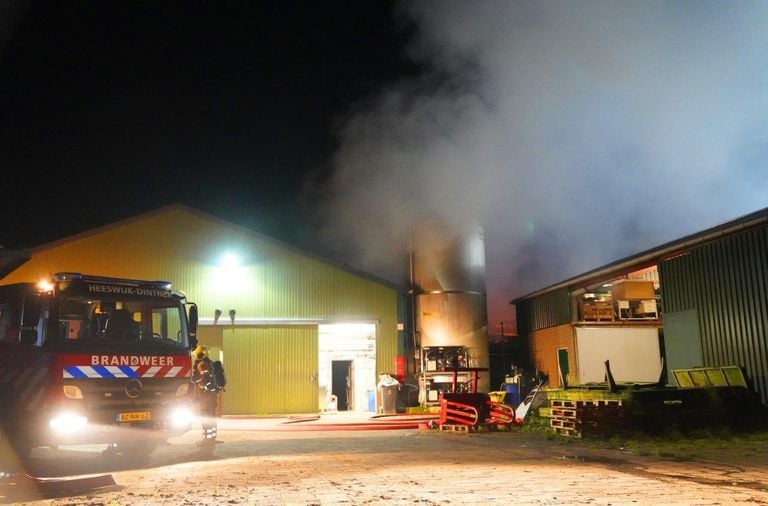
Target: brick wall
[{"x": 544, "y": 346}]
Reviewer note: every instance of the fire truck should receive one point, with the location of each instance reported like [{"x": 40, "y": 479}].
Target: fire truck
[{"x": 93, "y": 359}]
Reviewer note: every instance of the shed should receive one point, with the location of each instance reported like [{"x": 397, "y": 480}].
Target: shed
[{"x": 698, "y": 301}]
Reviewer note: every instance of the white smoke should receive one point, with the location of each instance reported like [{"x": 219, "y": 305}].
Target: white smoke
[{"x": 575, "y": 132}]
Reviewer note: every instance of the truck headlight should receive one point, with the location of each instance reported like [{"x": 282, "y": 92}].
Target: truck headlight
[
  {"x": 68, "y": 423},
  {"x": 181, "y": 417}
]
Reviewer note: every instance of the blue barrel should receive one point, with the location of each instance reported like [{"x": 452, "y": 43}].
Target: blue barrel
[{"x": 512, "y": 398}]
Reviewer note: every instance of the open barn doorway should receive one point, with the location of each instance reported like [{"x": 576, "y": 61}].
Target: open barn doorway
[
  {"x": 347, "y": 366},
  {"x": 341, "y": 384}
]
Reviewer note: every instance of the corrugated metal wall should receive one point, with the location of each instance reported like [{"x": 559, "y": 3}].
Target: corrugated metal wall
[
  {"x": 727, "y": 283},
  {"x": 547, "y": 310},
  {"x": 271, "y": 370},
  {"x": 185, "y": 247}
]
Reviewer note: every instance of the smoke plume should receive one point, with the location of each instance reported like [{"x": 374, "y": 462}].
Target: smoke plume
[{"x": 575, "y": 133}]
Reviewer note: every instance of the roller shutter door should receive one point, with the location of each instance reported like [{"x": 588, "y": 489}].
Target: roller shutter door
[{"x": 271, "y": 370}]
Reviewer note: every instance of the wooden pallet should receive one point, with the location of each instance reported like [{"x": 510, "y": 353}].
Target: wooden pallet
[
  {"x": 562, "y": 423},
  {"x": 574, "y": 418},
  {"x": 564, "y": 431},
  {"x": 450, "y": 427},
  {"x": 598, "y": 403},
  {"x": 563, "y": 413},
  {"x": 573, "y": 403}
]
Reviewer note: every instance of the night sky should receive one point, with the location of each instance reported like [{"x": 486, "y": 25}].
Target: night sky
[
  {"x": 110, "y": 109},
  {"x": 575, "y": 133}
]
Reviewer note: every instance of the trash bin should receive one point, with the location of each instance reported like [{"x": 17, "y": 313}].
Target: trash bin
[
  {"x": 388, "y": 387},
  {"x": 513, "y": 394},
  {"x": 389, "y": 399},
  {"x": 371, "y": 401}
]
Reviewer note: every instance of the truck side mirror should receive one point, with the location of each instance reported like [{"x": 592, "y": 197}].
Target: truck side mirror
[
  {"x": 192, "y": 326},
  {"x": 30, "y": 314},
  {"x": 30, "y": 317}
]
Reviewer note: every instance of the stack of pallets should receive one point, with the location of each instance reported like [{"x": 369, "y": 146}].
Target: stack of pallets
[
  {"x": 575, "y": 418},
  {"x": 563, "y": 417}
]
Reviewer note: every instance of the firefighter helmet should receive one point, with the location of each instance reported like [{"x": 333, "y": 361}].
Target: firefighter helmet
[{"x": 200, "y": 352}]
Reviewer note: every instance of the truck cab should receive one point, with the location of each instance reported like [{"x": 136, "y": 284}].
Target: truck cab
[{"x": 93, "y": 359}]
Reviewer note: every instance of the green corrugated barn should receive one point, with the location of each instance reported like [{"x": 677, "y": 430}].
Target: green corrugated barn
[
  {"x": 296, "y": 333},
  {"x": 698, "y": 301}
]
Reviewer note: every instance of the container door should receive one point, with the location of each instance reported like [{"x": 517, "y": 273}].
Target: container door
[{"x": 562, "y": 367}]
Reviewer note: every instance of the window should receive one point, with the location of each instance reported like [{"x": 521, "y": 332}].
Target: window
[{"x": 141, "y": 322}]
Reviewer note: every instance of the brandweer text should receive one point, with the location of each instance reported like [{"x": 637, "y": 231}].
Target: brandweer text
[{"x": 131, "y": 360}]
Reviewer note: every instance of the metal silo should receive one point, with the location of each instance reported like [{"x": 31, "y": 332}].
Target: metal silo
[{"x": 448, "y": 283}]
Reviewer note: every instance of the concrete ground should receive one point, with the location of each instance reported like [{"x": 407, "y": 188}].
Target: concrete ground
[{"x": 273, "y": 462}]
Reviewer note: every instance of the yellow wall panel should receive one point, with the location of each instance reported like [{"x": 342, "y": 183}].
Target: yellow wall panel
[{"x": 270, "y": 370}]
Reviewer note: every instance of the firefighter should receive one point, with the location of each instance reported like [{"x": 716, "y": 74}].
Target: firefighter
[{"x": 206, "y": 395}]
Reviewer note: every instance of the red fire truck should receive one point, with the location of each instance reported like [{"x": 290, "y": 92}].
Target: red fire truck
[{"x": 91, "y": 359}]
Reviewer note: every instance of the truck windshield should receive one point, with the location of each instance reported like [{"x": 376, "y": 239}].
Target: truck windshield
[{"x": 143, "y": 322}]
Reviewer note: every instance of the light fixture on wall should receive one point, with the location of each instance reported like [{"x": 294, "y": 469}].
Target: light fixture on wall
[
  {"x": 230, "y": 260},
  {"x": 232, "y": 315},
  {"x": 216, "y": 315}
]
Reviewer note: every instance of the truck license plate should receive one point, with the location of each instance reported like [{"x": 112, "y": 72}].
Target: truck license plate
[{"x": 133, "y": 417}]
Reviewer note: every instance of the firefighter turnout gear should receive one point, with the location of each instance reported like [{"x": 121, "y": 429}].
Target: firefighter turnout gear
[
  {"x": 206, "y": 395},
  {"x": 200, "y": 352}
]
